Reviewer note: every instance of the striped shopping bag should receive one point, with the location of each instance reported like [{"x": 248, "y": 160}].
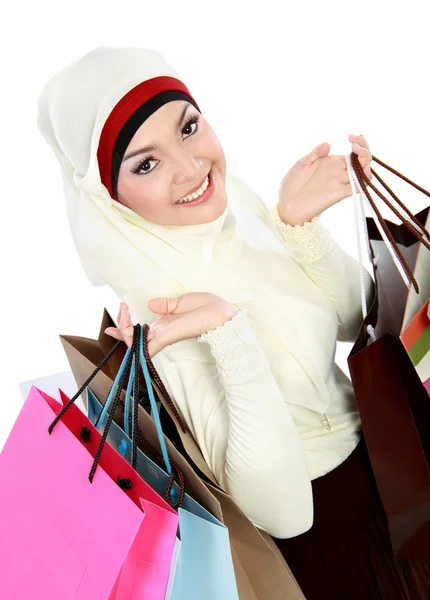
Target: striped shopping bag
[{"x": 416, "y": 340}]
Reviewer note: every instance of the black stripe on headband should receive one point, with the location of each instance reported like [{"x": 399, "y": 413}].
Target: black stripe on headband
[{"x": 134, "y": 122}]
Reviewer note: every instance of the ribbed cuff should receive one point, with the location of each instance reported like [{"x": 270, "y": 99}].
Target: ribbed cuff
[
  {"x": 309, "y": 242},
  {"x": 237, "y": 352}
]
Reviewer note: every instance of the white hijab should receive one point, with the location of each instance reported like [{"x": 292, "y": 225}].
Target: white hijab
[
  {"x": 139, "y": 259},
  {"x": 117, "y": 246}
]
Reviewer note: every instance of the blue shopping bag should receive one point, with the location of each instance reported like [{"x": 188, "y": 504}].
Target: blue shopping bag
[{"x": 204, "y": 568}]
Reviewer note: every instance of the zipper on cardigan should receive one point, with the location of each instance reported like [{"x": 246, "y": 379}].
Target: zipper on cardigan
[{"x": 326, "y": 422}]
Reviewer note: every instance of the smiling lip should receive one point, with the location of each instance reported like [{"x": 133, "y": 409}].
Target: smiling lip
[
  {"x": 195, "y": 188},
  {"x": 206, "y": 194}
]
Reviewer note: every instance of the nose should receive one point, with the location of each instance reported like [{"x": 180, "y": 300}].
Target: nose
[{"x": 187, "y": 168}]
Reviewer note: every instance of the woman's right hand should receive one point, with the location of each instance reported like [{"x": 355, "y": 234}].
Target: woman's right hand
[
  {"x": 317, "y": 181},
  {"x": 183, "y": 318}
]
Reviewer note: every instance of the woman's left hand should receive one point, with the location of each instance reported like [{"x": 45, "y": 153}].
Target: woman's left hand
[
  {"x": 317, "y": 181},
  {"x": 183, "y": 318}
]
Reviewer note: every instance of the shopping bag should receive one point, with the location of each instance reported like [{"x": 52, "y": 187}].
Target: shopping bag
[
  {"x": 416, "y": 340},
  {"x": 392, "y": 401},
  {"x": 260, "y": 569},
  {"x": 53, "y": 549},
  {"x": 205, "y": 567},
  {"x": 399, "y": 302},
  {"x": 173, "y": 566}
]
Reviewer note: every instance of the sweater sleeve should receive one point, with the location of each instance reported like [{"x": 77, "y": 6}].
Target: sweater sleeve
[
  {"x": 243, "y": 426},
  {"x": 330, "y": 268}
]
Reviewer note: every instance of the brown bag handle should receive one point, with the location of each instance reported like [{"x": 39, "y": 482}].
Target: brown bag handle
[{"x": 365, "y": 183}]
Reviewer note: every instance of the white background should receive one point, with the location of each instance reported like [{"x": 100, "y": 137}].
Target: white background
[{"x": 273, "y": 78}]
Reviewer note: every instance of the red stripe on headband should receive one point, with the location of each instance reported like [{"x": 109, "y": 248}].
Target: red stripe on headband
[{"x": 123, "y": 111}]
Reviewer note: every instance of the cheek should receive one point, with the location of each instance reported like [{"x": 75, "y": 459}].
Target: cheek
[
  {"x": 217, "y": 153},
  {"x": 143, "y": 194}
]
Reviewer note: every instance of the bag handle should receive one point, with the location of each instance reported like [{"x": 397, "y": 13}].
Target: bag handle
[
  {"x": 187, "y": 439},
  {"x": 411, "y": 216},
  {"x": 133, "y": 357},
  {"x": 361, "y": 219},
  {"x": 131, "y": 384},
  {"x": 364, "y": 183},
  {"x": 386, "y": 235},
  {"x": 177, "y": 475},
  {"x": 404, "y": 178},
  {"x": 114, "y": 397}
]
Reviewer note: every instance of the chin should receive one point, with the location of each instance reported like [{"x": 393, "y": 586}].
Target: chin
[{"x": 210, "y": 213}]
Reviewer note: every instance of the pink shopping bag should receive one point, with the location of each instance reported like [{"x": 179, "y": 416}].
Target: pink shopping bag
[{"x": 63, "y": 537}]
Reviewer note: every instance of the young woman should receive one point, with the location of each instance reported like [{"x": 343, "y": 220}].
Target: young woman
[{"x": 250, "y": 301}]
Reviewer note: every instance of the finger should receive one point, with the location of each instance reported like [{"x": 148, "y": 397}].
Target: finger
[
  {"x": 185, "y": 326},
  {"x": 163, "y": 306},
  {"x": 363, "y": 154},
  {"x": 361, "y": 151},
  {"x": 115, "y": 333},
  {"x": 361, "y": 141},
  {"x": 125, "y": 324},
  {"x": 125, "y": 317},
  {"x": 319, "y": 151},
  {"x": 358, "y": 138},
  {"x": 364, "y": 158},
  {"x": 181, "y": 304},
  {"x": 122, "y": 306}
]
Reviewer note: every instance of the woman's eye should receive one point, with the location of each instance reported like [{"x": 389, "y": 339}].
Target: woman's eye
[
  {"x": 145, "y": 166},
  {"x": 190, "y": 128}
]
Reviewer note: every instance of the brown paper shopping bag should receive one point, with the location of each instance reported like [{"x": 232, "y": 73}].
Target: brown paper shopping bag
[{"x": 393, "y": 403}]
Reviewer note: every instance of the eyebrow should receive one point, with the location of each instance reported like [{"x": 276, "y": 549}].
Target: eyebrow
[{"x": 153, "y": 147}]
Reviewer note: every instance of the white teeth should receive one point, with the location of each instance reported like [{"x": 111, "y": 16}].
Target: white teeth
[{"x": 195, "y": 195}]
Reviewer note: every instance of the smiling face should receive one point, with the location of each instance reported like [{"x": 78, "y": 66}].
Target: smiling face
[{"x": 174, "y": 157}]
